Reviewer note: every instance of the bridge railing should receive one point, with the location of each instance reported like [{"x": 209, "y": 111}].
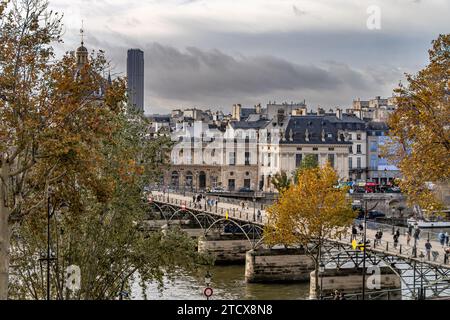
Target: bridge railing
[
  {"x": 427, "y": 234},
  {"x": 418, "y": 292},
  {"x": 236, "y": 213},
  {"x": 221, "y": 198},
  {"x": 411, "y": 250}
]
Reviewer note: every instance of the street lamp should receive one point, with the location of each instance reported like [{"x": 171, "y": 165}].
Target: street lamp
[
  {"x": 254, "y": 208},
  {"x": 208, "y": 290},
  {"x": 50, "y": 254},
  {"x": 422, "y": 293},
  {"x": 321, "y": 273},
  {"x": 392, "y": 220},
  {"x": 416, "y": 228},
  {"x": 208, "y": 277},
  {"x": 366, "y": 212}
]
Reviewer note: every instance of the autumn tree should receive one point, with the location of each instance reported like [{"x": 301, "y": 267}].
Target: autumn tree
[
  {"x": 309, "y": 212},
  {"x": 52, "y": 121},
  {"x": 419, "y": 128},
  {"x": 104, "y": 238},
  {"x": 281, "y": 181},
  {"x": 308, "y": 162}
]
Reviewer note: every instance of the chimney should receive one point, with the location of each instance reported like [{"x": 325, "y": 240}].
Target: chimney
[
  {"x": 258, "y": 108},
  {"x": 236, "y": 114}
]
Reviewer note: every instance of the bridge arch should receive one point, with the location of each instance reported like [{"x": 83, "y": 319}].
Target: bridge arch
[
  {"x": 195, "y": 216},
  {"x": 161, "y": 209},
  {"x": 234, "y": 223}
]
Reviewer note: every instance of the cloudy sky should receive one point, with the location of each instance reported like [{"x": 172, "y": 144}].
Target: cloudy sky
[{"x": 214, "y": 53}]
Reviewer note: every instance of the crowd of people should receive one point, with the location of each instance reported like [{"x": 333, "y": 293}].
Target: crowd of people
[
  {"x": 410, "y": 234},
  {"x": 201, "y": 201}
]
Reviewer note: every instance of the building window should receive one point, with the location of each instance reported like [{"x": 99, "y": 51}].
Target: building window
[
  {"x": 299, "y": 149},
  {"x": 358, "y": 148},
  {"x": 330, "y": 149},
  {"x": 331, "y": 159},
  {"x": 315, "y": 149},
  {"x": 358, "y": 136},
  {"x": 231, "y": 184},
  {"x": 269, "y": 159},
  {"x": 358, "y": 162},
  {"x": 247, "y": 158},
  {"x": 298, "y": 160},
  {"x": 213, "y": 152},
  {"x": 247, "y": 183},
  {"x": 350, "y": 137},
  {"x": 232, "y": 158},
  {"x": 350, "y": 163}
]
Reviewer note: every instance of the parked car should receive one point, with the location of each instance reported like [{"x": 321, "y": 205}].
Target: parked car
[
  {"x": 372, "y": 215},
  {"x": 247, "y": 190}
]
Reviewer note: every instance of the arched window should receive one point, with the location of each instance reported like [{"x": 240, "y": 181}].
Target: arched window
[
  {"x": 189, "y": 179},
  {"x": 175, "y": 179}
]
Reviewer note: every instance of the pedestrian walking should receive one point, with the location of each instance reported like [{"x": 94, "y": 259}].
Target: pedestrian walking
[
  {"x": 442, "y": 239},
  {"x": 446, "y": 239},
  {"x": 417, "y": 234},
  {"x": 428, "y": 247},
  {"x": 395, "y": 240},
  {"x": 397, "y": 233},
  {"x": 446, "y": 255},
  {"x": 410, "y": 228},
  {"x": 259, "y": 216},
  {"x": 408, "y": 238},
  {"x": 354, "y": 233}
]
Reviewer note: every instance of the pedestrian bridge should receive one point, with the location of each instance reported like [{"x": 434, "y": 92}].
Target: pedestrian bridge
[{"x": 408, "y": 260}]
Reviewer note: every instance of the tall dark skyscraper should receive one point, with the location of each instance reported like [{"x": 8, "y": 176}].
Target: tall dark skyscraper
[{"x": 135, "y": 75}]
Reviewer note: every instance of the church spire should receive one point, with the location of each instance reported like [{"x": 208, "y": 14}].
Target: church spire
[{"x": 82, "y": 52}]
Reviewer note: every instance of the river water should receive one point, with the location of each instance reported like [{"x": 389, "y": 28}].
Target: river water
[{"x": 228, "y": 283}]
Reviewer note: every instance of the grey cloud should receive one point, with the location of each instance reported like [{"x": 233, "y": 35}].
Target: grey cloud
[{"x": 194, "y": 73}]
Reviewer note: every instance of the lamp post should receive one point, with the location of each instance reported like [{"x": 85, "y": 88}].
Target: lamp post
[
  {"x": 254, "y": 207},
  {"x": 392, "y": 220},
  {"x": 366, "y": 212},
  {"x": 208, "y": 277},
  {"x": 49, "y": 256},
  {"x": 321, "y": 273},
  {"x": 422, "y": 293},
  {"x": 416, "y": 228}
]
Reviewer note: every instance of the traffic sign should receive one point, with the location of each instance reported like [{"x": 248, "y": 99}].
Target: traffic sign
[{"x": 208, "y": 292}]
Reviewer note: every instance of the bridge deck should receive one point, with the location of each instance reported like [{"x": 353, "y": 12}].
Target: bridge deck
[{"x": 248, "y": 215}]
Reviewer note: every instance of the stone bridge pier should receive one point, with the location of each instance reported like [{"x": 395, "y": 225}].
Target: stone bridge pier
[
  {"x": 225, "y": 248},
  {"x": 277, "y": 265},
  {"x": 350, "y": 281}
]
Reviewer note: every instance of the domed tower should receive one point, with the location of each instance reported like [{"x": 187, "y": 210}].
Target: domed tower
[{"x": 82, "y": 53}]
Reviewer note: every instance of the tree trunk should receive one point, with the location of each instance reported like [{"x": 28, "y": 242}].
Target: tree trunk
[{"x": 4, "y": 234}]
